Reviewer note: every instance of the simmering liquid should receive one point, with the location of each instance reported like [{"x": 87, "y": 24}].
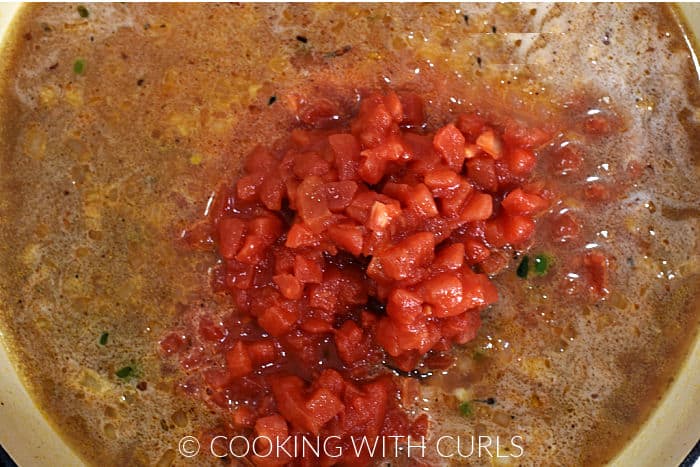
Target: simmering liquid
[{"x": 119, "y": 120}]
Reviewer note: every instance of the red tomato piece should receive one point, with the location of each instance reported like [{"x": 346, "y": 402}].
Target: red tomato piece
[
  {"x": 288, "y": 393},
  {"x": 520, "y": 202},
  {"x": 339, "y": 195},
  {"x": 381, "y": 215},
  {"x": 277, "y": 320},
  {"x": 238, "y": 361},
  {"x": 520, "y": 161},
  {"x": 449, "y": 143},
  {"x": 482, "y": 170},
  {"x": 516, "y": 135},
  {"x": 475, "y": 250},
  {"x": 349, "y": 340},
  {"x": 401, "y": 261},
  {"x": 307, "y": 270},
  {"x": 450, "y": 257},
  {"x": 489, "y": 142},
  {"x": 442, "y": 182},
  {"x": 300, "y": 235},
  {"x": 289, "y": 286},
  {"x": 322, "y": 406},
  {"x": 478, "y": 208},
  {"x": 231, "y": 233},
  {"x": 346, "y": 149},
  {"x": 461, "y": 328},
  {"x": 445, "y": 294},
  {"x": 404, "y": 306},
  {"x": 420, "y": 200},
  {"x": 347, "y": 237},
  {"x": 517, "y": 229},
  {"x": 312, "y": 203},
  {"x": 472, "y": 125},
  {"x": 261, "y": 352}
]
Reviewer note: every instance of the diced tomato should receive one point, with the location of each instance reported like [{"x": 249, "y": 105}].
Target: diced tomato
[
  {"x": 517, "y": 229},
  {"x": 475, "y": 250},
  {"x": 289, "y": 286},
  {"x": 272, "y": 191},
  {"x": 461, "y": 328},
  {"x": 261, "y": 352},
  {"x": 346, "y": 248},
  {"x": 307, "y": 164},
  {"x": 322, "y": 406},
  {"x": 346, "y": 149},
  {"x": 307, "y": 270},
  {"x": 471, "y": 125},
  {"x": 247, "y": 186},
  {"x": 568, "y": 159},
  {"x": 598, "y": 124},
  {"x": 381, "y": 215},
  {"x": 331, "y": 380},
  {"x": 451, "y": 205},
  {"x": 272, "y": 427},
  {"x": 490, "y": 144},
  {"x": 479, "y": 207},
  {"x": 397, "y": 338},
  {"x": 269, "y": 228},
  {"x": 596, "y": 191},
  {"x": 400, "y": 261},
  {"x": 374, "y": 122},
  {"x": 420, "y": 200},
  {"x": 404, "y": 306},
  {"x": 449, "y": 143},
  {"x": 393, "y": 105},
  {"x": 445, "y": 294},
  {"x": 312, "y": 203},
  {"x": 317, "y": 111},
  {"x": 520, "y": 161},
  {"x": 243, "y": 417},
  {"x": 253, "y": 250},
  {"x": 217, "y": 378},
  {"x": 482, "y": 170},
  {"x": 520, "y": 202},
  {"x": 238, "y": 361},
  {"x": 450, "y": 257},
  {"x": 442, "y": 182},
  {"x": 300, "y": 235},
  {"x": 372, "y": 168},
  {"x": 349, "y": 340},
  {"x": 211, "y": 331},
  {"x": 347, "y": 237},
  {"x": 277, "y": 320},
  {"x": 260, "y": 160},
  {"x": 288, "y": 393},
  {"x": 516, "y": 135},
  {"x": 173, "y": 343},
  {"x": 339, "y": 194},
  {"x": 316, "y": 326}
]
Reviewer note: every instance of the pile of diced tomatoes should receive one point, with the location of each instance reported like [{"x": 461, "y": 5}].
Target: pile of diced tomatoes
[{"x": 353, "y": 248}]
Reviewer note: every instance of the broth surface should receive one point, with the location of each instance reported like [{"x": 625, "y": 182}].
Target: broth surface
[{"x": 102, "y": 168}]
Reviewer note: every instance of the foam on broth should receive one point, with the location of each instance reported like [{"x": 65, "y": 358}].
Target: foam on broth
[{"x": 100, "y": 172}]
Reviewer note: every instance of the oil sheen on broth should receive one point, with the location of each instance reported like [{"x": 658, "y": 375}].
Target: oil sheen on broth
[{"x": 102, "y": 168}]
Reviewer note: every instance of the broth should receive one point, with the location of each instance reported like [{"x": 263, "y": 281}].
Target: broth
[{"x": 117, "y": 126}]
